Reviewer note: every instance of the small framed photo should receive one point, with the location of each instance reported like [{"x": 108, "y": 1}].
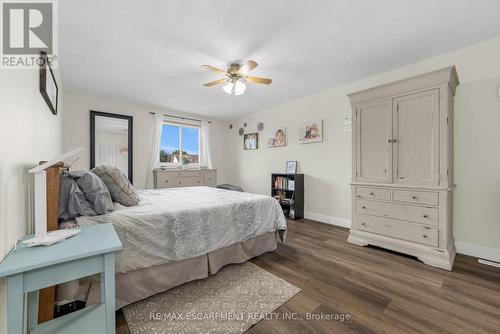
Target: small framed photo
[
  {"x": 311, "y": 131},
  {"x": 251, "y": 141},
  {"x": 276, "y": 138},
  {"x": 48, "y": 85},
  {"x": 291, "y": 167}
]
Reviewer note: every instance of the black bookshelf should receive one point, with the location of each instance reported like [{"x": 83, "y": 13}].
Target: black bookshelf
[{"x": 290, "y": 198}]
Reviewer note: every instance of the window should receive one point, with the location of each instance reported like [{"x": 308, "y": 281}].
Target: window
[{"x": 180, "y": 144}]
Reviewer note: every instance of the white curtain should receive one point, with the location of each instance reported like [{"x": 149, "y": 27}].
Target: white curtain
[
  {"x": 155, "y": 149},
  {"x": 206, "y": 152}
]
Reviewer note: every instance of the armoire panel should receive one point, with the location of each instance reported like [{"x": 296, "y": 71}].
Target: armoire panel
[
  {"x": 416, "y": 138},
  {"x": 374, "y": 148}
]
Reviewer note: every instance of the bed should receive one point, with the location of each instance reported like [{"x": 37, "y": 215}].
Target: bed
[{"x": 178, "y": 235}]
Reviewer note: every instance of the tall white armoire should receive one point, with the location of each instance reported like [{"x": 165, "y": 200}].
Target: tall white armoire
[{"x": 402, "y": 177}]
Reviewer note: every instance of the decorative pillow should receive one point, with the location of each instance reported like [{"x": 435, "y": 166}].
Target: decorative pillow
[
  {"x": 119, "y": 186},
  {"x": 95, "y": 191}
]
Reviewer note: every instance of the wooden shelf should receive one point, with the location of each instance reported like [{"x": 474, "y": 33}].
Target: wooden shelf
[{"x": 297, "y": 194}]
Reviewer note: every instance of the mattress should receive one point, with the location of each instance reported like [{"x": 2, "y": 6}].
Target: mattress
[{"x": 176, "y": 224}]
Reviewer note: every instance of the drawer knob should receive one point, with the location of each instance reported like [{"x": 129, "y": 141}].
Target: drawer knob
[
  {"x": 166, "y": 181},
  {"x": 179, "y": 182},
  {"x": 425, "y": 216},
  {"x": 359, "y": 196},
  {"x": 414, "y": 197},
  {"x": 372, "y": 194},
  {"x": 363, "y": 207},
  {"x": 363, "y": 224},
  {"x": 424, "y": 236}
]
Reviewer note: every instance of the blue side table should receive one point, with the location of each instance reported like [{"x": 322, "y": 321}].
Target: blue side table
[{"x": 30, "y": 269}]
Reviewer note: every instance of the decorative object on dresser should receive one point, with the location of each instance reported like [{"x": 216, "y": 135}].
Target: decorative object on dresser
[
  {"x": 48, "y": 84},
  {"x": 251, "y": 141},
  {"x": 164, "y": 178},
  {"x": 402, "y": 177},
  {"x": 288, "y": 189}
]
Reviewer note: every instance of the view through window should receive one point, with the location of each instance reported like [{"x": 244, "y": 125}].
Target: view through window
[{"x": 180, "y": 144}]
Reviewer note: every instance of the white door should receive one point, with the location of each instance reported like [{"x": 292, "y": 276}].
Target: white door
[
  {"x": 373, "y": 142},
  {"x": 416, "y": 135}
]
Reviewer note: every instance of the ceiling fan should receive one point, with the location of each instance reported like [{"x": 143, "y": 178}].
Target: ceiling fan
[{"x": 235, "y": 77}]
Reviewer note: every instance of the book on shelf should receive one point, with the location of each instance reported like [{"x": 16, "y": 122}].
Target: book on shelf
[{"x": 282, "y": 182}]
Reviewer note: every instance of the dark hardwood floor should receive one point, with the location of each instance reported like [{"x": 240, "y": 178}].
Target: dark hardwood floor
[{"x": 382, "y": 291}]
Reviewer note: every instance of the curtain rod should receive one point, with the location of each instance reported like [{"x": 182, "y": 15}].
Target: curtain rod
[{"x": 179, "y": 117}]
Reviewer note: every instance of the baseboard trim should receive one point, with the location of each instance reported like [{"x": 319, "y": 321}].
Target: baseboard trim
[
  {"x": 478, "y": 251},
  {"x": 465, "y": 248},
  {"x": 342, "y": 222}
]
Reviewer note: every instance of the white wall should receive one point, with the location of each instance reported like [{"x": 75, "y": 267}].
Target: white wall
[
  {"x": 327, "y": 165},
  {"x": 28, "y": 133},
  {"x": 76, "y": 132}
]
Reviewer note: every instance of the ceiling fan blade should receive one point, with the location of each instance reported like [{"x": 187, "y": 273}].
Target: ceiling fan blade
[
  {"x": 250, "y": 65},
  {"x": 259, "y": 80},
  {"x": 213, "y": 83},
  {"x": 211, "y": 68}
]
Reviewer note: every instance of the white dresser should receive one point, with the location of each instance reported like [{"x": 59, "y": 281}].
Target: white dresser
[
  {"x": 402, "y": 178},
  {"x": 173, "y": 178}
]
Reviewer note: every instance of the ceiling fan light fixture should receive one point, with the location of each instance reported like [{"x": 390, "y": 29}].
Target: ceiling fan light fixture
[
  {"x": 228, "y": 88},
  {"x": 235, "y": 88},
  {"x": 239, "y": 87}
]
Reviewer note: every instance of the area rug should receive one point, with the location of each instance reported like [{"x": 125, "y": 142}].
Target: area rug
[{"x": 231, "y": 301}]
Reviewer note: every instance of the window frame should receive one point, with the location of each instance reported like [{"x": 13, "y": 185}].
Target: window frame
[{"x": 180, "y": 126}]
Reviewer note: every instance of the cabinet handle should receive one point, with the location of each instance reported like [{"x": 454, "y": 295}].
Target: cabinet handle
[
  {"x": 424, "y": 236},
  {"x": 363, "y": 224},
  {"x": 414, "y": 197},
  {"x": 363, "y": 207},
  {"x": 425, "y": 216},
  {"x": 389, "y": 140},
  {"x": 427, "y": 228},
  {"x": 372, "y": 194}
]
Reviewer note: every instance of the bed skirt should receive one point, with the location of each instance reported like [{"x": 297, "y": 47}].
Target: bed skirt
[{"x": 139, "y": 284}]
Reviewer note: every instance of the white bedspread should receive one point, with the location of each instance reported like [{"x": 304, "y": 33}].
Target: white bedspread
[{"x": 181, "y": 223}]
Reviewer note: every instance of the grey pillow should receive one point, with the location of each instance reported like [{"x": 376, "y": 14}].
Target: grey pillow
[
  {"x": 72, "y": 201},
  {"x": 95, "y": 191},
  {"x": 119, "y": 186}
]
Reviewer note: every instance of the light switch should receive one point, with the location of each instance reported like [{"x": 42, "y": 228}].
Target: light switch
[{"x": 347, "y": 122}]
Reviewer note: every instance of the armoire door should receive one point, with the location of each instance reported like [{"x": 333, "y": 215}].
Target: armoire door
[
  {"x": 373, "y": 142},
  {"x": 416, "y": 138}
]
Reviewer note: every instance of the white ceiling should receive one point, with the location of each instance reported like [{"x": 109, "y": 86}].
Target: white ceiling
[{"x": 150, "y": 51}]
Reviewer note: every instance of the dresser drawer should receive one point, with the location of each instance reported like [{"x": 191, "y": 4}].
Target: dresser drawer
[
  {"x": 188, "y": 181},
  {"x": 164, "y": 180},
  {"x": 418, "y": 214},
  {"x": 399, "y": 229},
  {"x": 210, "y": 178},
  {"x": 373, "y": 193},
  {"x": 415, "y": 196},
  {"x": 188, "y": 173}
]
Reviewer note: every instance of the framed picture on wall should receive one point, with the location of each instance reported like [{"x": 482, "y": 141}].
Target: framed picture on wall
[
  {"x": 48, "y": 84},
  {"x": 251, "y": 141},
  {"x": 277, "y": 138},
  {"x": 311, "y": 131},
  {"x": 291, "y": 167}
]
